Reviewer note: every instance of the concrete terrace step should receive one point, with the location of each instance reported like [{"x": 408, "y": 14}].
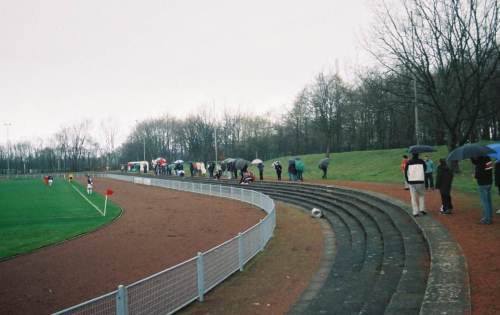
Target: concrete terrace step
[
  {"x": 411, "y": 287},
  {"x": 402, "y": 282},
  {"x": 379, "y": 280},
  {"x": 355, "y": 272}
]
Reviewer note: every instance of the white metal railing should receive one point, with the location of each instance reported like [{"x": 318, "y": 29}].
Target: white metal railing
[{"x": 170, "y": 290}]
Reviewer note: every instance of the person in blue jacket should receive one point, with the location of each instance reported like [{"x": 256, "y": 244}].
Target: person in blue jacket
[{"x": 429, "y": 170}]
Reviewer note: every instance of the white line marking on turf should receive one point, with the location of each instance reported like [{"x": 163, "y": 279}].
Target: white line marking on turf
[{"x": 76, "y": 189}]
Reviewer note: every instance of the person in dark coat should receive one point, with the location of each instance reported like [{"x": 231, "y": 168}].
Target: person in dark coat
[
  {"x": 234, "y": 170},
  {"x": 260, "y": 166},
  {"x": 211, "y": 168},
  {"x": 483, "y": 171},
  {"x": 292, "y": 171},
  {"x": 191, "y": 168},
  {"x": 444, "y": 179},
  {"x": 278, "y": 168},
  {"x": 324, "y": 168}
]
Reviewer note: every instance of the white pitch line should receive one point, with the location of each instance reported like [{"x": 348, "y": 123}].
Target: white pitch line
[{"x": 87, "y": 199}]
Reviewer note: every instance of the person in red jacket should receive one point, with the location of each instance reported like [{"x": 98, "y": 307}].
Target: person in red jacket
[{"x": 403, "y": 167}]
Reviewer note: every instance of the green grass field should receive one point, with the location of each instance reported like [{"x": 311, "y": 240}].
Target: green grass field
[
  {"x": 33, "y": 215},
  {"x": 371, "y": 166}
]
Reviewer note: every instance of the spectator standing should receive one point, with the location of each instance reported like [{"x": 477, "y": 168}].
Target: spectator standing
[
  {"x": 90, "y": 185},
  {"x": 292, "y": 171},
  {"x": 278, "y": 168},
  {"x": 415, "y": 177},
  {"x": 324, "y": 168},
  {"x": 483, "y": 171},
  {"x": 191, "y": 168},
  {"x": 497, "y": 178},
  {"x": 260, "y": 166},
  {"x": 404, "y": 162},
  {"x": 444, "y": 179},
  {"x": 429, "y": 176},
  {"x": 211, "y": 168},
  {"x": 299, "y": 166}
]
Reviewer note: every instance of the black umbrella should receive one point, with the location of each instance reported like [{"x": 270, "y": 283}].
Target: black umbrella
[
  {"x": 240, "y": 164},
  {"x": 291, "y": 161},
  {"x": 228, "y": 160},
  {"x": 420, "y": 149},
  {"x": 468, "y": 151},
  {"x": 324, "y": 162}
]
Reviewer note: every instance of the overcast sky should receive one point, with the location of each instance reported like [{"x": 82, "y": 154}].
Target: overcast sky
[{"x": 62, "y": 61}]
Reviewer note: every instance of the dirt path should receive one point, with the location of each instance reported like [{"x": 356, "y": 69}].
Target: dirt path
[
  {"x": 158, "y": 229},
  {"x": 480, "y": 243},
  {"x": 274, "y": 280}
]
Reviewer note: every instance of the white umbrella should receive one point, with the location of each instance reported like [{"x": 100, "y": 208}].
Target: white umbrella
[
  {"x": 256, "y": 161},
  {"x": 178, "y": 162}
]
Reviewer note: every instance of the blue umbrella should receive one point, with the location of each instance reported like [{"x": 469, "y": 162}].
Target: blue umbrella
[
  {"x": 468, "y": 151},
  {"x": 496, "y": 147}
]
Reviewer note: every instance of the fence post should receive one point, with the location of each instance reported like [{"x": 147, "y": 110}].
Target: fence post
[
  {"x": 240, "y": 250},
  {"x": 201, "y": 278},
  {"x": 121, "y": 301},
  {"x": 261, "y": 235},
  {"x": 220, "y": 190}
]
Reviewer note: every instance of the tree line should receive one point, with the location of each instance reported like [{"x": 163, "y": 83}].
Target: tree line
[{"x": 439, "y": 62}]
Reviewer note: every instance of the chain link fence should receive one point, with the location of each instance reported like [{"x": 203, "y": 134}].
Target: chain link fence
[{"x": 173, "y": 288}]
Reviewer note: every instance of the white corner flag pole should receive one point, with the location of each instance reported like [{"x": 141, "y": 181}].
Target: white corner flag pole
[{"x": 105, "y": 204}]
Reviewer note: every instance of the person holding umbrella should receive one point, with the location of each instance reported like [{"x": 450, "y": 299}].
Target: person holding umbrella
[
  {"x": 323, "y": 165},
  {"x": 483, "y": 171},
  {"x": 496, "y": 167},
  {"x": 260, "y": 166},
  {"x": 478, "y": 154},
  {"x": 444, "y": 179}
]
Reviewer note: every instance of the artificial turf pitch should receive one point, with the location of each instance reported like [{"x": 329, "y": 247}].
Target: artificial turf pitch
[{"x": 33, "y": 215}]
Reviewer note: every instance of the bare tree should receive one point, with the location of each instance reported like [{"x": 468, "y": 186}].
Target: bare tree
[
  {"x": 450, "y": 49},
  {"x": 78, "y": 135},
  {"x": 109, "y": 131},
  {"x": 328, "y": 98}
]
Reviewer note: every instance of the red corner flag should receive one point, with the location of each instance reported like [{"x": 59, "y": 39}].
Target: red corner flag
[{"x": 109, "y": 192}]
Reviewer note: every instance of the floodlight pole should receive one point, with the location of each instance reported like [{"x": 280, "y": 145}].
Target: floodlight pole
[
  {"x": 417, "y": 131},
  {"x": 215, "y": 132},
  {"x": 7, "y": 125}
]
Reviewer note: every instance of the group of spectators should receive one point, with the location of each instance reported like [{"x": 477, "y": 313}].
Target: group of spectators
[{"x": 419, "y": 176}]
